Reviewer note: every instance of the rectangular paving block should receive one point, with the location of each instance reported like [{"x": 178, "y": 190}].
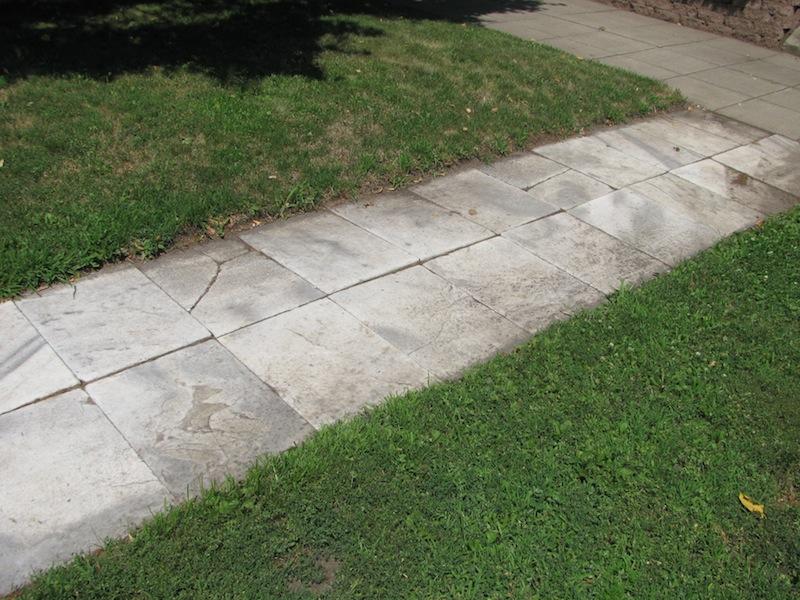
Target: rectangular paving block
[
  {"x": 705, "y": 94},
  {"x": 523, "y": 171},
  {"x": 69, "y": 480},
  {"x": 250, "y": 288},
  {"x": 788, "y": 98},
  {"x": 702, "y": 143},
  {"x": 744, "y": 83},
  {"x": 587, "y": 253},
  {"x": 642, "y": 143},
  {"x": 667, "y": 34},
  {"x": 514, "y": 282},
  {"x": 438, "y": 325},
  {"x": 774, "y": 160},
  {"x": 323, "y": 362},
  {"x": 327, "y": 250},
  {"x": 614, "y": 43},
  {"x": 750, "y": 50},
  {"x": 577, "y": 47},
  {"x": 484, "y": 199},
  {"x": 110, "y": 321},
  {"x": 737, "y": 186},
  {"x": 421, "y": 228},
  {"x": 29, "y": 368},
  {"x": 638, "y": 66},
  {"x": 720, "y": 126},
  {"x": 777, "y": 73},
  {"x": 702, "y": 205},
  {"x": 661, "y": 229},
  {"x": 569, "y": 189},
  {"x": 767, "y": 116},
  {"x": 618, "y": 21},
  {"x": 680, "y": 63},
  {"x": 198, "y": 415},
  {"x": 592, "y": 156},
  {"x": 707, "y": 51}
]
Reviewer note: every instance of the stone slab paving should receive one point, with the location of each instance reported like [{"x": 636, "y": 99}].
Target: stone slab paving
[
  {"x": 69, "y": 480},
  {"x": 139, "y": 384},
  {"x": 755, "y": 85}
]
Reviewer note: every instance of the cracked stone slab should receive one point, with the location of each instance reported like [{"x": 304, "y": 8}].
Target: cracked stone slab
[
  {"x": 569, "y": 189},
  {"x": 774, "y": 160},
  {"x": 248, "y": 289},
  {"x": 664, "y": 230},
  {"x": 440, "y": 326},
  {"x": 525, "y": 289},
  {"x": 69, "y": 481},
  {"x": 592, "y": 156},
  {"x": 523, "y": 171},
  {"x": 419, "y": 227},
  {"x": 484, "y": 199},
  {"x": 700, "y": 204},
  {"x": 712, "y": 123},
  {"x": 110, "y": 321},
  {"x": 223, "y": 250},
  {"x": 198, "y": 415},
  {"x": 737, "y": 186},
  {"x": 587, "y": 253},
  {"x": 323, "y": 362},
  {"x": 184, "y": 275},
  {"x": 327, "y": 250},
  {"x": 638, "y": 141},
  {"x": 29, "y": 368}
]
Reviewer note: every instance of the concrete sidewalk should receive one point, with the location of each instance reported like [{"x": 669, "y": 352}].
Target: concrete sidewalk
[
  {"x": 141, "y": 383},
  {"x": 749, "y": 83}
]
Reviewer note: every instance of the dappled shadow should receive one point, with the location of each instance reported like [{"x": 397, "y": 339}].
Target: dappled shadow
[{"x": 231, "y": 40}]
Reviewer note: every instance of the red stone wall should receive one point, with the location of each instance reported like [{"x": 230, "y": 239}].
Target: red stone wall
[{"x": 763, "y": 22}]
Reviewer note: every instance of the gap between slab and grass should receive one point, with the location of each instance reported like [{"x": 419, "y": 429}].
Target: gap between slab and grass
[
  {"x": 603, "y": 458},
  {"x": 124, "y": 126}
]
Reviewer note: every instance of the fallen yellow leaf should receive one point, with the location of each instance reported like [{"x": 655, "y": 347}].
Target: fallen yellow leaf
[{"x": 751, "y": 505}]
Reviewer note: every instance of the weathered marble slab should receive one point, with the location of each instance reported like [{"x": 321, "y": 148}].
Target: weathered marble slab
[
  {"x": 592, "y": 156},
  {"x": 250, "y": 288},
  {"x": 110, "y": 321},
  {"x": 709, "y": 122},
  {"x": 441, "y": 327},
  {"x": 419, "y": 227},
  {"x": 514, "y": 282},
  {"x": 664, "y": 230},
  {"x": 636, "y": 140},
  {"x": 700, "y": 204},
  {"x": 737, "y": 186},
  {"x": 484, "y": 199},
  {"x": 223, "y": 250},
  {"x": 197, "y": 415},
  {"x": 69, "y": 480},
  {"x": 327, "y": 250},
  {"x": 183, "y": 274},
  {"x": 774, "y": 160},
  {"x": 523, "y": 171},
  {"x": 324, "y": 362},
  {"x": 569, "y": 189},
  {"x": 29, "y": 369},
  {"x": 675, "y": 131},
  {"x": 587, "y": 253}
]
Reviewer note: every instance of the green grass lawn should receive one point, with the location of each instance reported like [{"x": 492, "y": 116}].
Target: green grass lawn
[
  {"x": 602, "y": 459},
  {"x": 123, "y": 125}
]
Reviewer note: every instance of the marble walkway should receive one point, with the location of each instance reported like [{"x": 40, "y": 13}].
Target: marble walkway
[{"x": 142, "y": 382}]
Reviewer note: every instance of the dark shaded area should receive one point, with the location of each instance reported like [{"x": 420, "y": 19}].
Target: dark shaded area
[{"x": 233, "y": 41}]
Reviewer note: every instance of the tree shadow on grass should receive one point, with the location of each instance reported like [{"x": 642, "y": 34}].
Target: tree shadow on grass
[{"x": 234, "y": 41}]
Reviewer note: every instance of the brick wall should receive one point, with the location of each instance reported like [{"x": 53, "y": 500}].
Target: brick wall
[{"x": 763, "y": 22}]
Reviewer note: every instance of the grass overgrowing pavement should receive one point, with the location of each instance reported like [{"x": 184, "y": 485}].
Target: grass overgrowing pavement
[
  {"x": 602, "y": 459},
  {"x": 123, "y": 125}
]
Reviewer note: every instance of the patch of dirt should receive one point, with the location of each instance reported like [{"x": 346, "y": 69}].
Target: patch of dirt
[
  {"x": 329, "y": 568},
  {"x": 741, "y": 179}
]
